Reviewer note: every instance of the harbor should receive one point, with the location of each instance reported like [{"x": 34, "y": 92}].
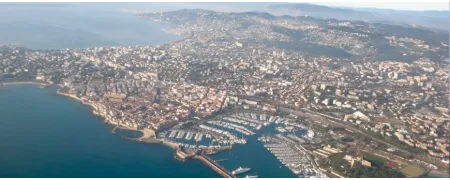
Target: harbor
[
  {"x": 294, "y": 157},
  {"x": 230, "y": 144},
  {"x": 213, "y": 142}
]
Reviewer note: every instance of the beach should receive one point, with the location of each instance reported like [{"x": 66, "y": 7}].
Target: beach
[{"x": 24, "y": 82}]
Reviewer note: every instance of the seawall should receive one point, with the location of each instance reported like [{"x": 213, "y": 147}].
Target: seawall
[{"x": 214, "y": 166}]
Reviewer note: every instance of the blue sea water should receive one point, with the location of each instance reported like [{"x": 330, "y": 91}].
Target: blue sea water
[{"x": 43, "y": 134}]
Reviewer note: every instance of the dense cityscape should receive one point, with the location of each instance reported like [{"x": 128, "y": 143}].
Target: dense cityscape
[{"x": 367, "y": 97}]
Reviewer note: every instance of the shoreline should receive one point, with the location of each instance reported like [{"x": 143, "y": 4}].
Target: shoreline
[
  {"x": 148, "y": 135},
  {"x": 24, "y": 82},
  {"x": 145, "y": 132}
]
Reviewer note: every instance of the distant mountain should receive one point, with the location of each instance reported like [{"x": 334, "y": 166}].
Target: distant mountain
[
  {"x": 314, "y": 36},
  {"x": 437, "y": 14},
  {"x": 323, "y": 12},
  {"x": 428, "y": 19}
]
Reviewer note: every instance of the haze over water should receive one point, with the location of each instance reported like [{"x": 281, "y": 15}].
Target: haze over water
[{"x": 69, "y": 25}]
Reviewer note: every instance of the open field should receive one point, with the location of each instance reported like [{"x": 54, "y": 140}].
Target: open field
[
  {"x": 374, "y": 158},
  {"x": 409, "y": 170},
  {"x": 412, "y": 171}
]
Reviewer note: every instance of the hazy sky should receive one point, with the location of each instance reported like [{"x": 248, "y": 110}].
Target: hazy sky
[{"x": 392, "y": 5}]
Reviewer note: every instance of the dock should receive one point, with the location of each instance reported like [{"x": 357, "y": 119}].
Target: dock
[
  {"x": 113, "y": 131},
  {"x": 182, "y": 156},
  {"x": 214, "y": 165}
]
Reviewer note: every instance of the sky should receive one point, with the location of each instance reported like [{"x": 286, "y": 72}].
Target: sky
[
  {"x": 416, "y": 6},
  {"x": 420, "y": 6}
]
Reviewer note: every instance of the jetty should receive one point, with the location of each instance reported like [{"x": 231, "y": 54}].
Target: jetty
[
  {"x": 113, "y": 131},
  {"x": 214, "y": 165},
  {"x": 182, "y": 156}
]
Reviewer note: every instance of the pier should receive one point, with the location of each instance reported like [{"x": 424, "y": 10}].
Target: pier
[
  {"x": 113, "y": 131},
  {"x": 214, "y": 165},
  {"x": 182, "y": 156}
]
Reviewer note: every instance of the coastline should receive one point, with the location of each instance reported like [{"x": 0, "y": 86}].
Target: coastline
[
  {"x": 146, "y": 132},
  {"x": 60, "y": 121},
  {"x": 24, "y": 82},
  {"x": 148, "y": 135}
]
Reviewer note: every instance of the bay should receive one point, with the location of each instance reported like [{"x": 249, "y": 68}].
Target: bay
[
  {"x": 61, "y": 25},
  {"x": 43, "y": 134}
]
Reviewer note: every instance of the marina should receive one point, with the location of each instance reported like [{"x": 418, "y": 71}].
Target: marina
[
  {"x": 292, "y": 155},
  {"x": 235, "y": 131},
  {"x": 225, "y": 132}
]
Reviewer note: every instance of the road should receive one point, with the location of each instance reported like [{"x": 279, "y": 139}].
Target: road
[
  {"x": 329, "y": 119},
  {"x": 339, "y": 123}
]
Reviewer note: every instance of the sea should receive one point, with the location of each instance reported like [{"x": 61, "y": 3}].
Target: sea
[
  {"x": 77, "y": 25},
  {"x": 43, "y": 134}
]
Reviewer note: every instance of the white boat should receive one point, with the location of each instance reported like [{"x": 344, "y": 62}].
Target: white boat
[
  {"x": 240, "y": 170},
  {"x": 247, "y": 176},
  {"x": 310, "y": 133}
]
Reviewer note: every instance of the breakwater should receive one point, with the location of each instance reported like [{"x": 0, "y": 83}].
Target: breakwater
[{"x": 215, "y": 166}]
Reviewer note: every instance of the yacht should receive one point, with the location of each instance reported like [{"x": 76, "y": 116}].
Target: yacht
[
  {"x": 240, "y": 170},
  {"x": 247, "y": 176}
]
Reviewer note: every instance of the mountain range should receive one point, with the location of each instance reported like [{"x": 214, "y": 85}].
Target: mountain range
[{"x": 426, "y": 19}]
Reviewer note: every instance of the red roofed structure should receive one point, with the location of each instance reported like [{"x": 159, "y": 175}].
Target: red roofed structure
[{"x": 391, "y": 164}]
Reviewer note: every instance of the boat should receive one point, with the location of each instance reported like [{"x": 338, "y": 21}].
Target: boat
[
  {"x": 247, "y": 176},
  {"x": 240, "y": 170},
  {"x": 310, "y": 133}
]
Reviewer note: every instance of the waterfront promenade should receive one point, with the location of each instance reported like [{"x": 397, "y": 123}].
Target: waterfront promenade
[{"x": 24, "y": 82}]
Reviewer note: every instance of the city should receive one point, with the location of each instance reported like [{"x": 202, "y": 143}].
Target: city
[{"x": 359, "y": 92}]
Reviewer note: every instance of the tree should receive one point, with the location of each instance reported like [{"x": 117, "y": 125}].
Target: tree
[{"x": 373, "y": 172}]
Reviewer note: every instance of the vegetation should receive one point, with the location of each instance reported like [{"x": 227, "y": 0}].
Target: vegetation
[
  {"x": 339, "y": 164},
  {"x": 347, "y": 139},
  {"x": 359, "y": 171},
  {"x": 374, "y": 159}
]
